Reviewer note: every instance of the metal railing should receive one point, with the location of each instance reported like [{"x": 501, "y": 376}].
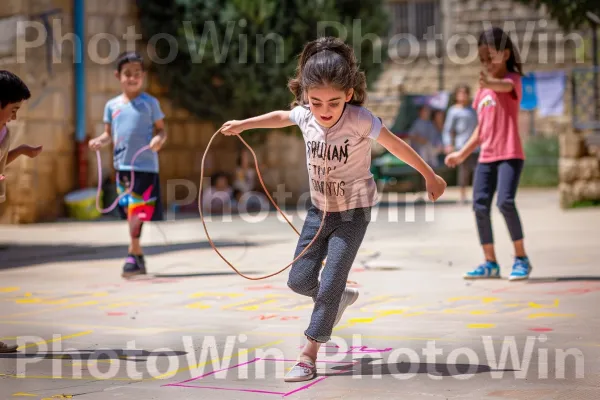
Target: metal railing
[{"x": 586, "y": 98}]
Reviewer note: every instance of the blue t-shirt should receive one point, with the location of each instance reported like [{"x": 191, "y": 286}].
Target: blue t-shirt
[
  {"x": 461, "y": 120},
  {"x": 132, "y": 127}
]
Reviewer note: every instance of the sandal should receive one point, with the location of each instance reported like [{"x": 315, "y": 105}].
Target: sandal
[{"x": 301, "y": 371}]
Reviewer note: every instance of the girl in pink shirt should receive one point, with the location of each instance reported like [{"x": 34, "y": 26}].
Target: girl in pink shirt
[{"x": 501, "y": 156}]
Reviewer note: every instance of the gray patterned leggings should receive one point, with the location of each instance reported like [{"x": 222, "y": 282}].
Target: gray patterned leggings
[{"x": 339, "y": 240}]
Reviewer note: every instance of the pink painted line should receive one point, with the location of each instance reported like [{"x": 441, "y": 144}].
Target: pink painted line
[
  {"x": 285, "y": 360},
  {"x": 305, "y": 386},
  {"x": 236, "y": 390},
  {"x": 223, "y": 369}
]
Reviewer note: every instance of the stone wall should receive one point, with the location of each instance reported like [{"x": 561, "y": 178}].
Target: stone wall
[
  {"x": 579, "y": 170},
  {"x": 35, "y": 187}
]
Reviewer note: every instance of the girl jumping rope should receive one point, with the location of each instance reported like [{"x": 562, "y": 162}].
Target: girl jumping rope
[
  {"x": 501, "y": 155},
  {"x": 329, "y": 92}
]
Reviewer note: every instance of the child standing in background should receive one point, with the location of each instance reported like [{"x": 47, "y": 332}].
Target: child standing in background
[
  {"x": 130, "y": 121},
  {"x": 460, "y": 123},
  {"x": 501, "y": 157}
]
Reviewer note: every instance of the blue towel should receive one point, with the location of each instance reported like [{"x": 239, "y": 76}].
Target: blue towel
[{"x": 529, "y": 98}]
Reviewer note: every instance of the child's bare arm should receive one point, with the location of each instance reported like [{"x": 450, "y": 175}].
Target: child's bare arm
[
  {"x": 398, "y": 147},
  {"x": 272, "y": 120},
  {"x": 23, "y": 150},
  {"x": 160, "y": 138},
  {"x": 103, "y": 140}
]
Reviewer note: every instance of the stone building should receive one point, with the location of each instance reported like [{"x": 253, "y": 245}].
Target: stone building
[{"x": 36, "y": 187}]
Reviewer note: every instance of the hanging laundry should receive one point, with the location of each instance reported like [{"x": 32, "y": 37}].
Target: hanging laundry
[
  {"x": 529, "y": 98},
  {"x": 550, "y": 89}
]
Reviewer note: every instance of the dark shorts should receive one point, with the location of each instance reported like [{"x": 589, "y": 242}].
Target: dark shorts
[
  {"x": 144, "y": 200},
  {"x": 466, "y": 170}
]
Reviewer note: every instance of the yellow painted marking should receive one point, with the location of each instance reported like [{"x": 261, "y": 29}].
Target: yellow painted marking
[
  {"x": 239, "y": 304},
  {"x": 28, "y": 294},
  {"x": 481, "y": 326},
  {"x": 484, "y": 300},
  {"x": 360, "y": 320},
  {"x": 536, "y": 305},
  {"x": 482, "y": 312},
  {"x": 549, "y": 314},
  {"x": 389, "y": 312},
  {"x": 58, "y": 339},
  {"x": 9, "y": 289},
  {"x": 414, "y": 314},
  {"x": 24, "y": 395},
  {"x": 216, "y": 294},
  {"x": 451, "y": 311},
  {"x": 514, "y": 305},
  {"x": 172, "y": 373},
  {"x": 9, "y": 338},
  {"x": 198, "y": 305},
  {"x": 257, "y": 306},
  {"x": 29, "y": 300}
]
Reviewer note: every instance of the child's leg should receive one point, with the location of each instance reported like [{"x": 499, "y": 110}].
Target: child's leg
[
  {"x": 486, "y": 178},
  {"x": 304, "y": 274},
  {"x": 143, "y": 205},
  {"x": 509, "y": 173},
  {"x": 344, "y": 242},
  {"x": 484, "y": 186}
]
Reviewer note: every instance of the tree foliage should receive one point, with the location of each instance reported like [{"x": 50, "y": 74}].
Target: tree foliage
[
  {"x": 570, "y": 14},
  {"x": 231, "y": 59}
]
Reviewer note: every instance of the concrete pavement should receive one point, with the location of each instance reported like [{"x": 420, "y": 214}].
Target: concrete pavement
[{"x": 193, "y": 329}]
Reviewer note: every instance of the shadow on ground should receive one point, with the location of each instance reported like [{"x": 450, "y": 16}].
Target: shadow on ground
[
  {"x": 19, "y": 255},
  {"x": 563, "y": 279},
  {"x": 97, "y": 355},
  {"x": 366, "y": 368}
]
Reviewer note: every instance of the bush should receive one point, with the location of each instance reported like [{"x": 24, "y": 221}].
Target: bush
[
  {"x": 235, "y": 76},
  {"x": 541, "y": 165}
]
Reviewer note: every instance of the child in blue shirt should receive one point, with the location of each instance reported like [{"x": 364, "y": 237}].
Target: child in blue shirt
[
  {"x": 461, "y": 121},
  {"x": 130, "y": 121}
]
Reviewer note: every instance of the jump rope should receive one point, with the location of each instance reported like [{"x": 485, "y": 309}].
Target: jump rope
[{"x": 129, "y": 190}]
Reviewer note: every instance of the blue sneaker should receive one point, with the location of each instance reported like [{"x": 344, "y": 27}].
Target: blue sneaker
[
  {"x": 521, "y": 269},
  {"x": 487, "y": 270}
]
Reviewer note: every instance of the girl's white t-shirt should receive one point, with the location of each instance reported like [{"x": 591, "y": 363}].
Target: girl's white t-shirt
[
  {"x": 4, "y": 148},
  {"x": 346, "y": 149}
]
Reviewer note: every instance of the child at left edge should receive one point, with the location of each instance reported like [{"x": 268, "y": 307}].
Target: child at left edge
[
  {"x": 13, "y": 92},
  {"x": 130, "y": 119}
]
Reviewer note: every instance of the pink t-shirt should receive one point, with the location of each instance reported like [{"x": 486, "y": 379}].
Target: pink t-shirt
[{"x": 498, "y": 117}]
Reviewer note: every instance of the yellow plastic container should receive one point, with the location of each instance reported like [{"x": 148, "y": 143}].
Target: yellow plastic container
[{"x": 81, "y": 204}]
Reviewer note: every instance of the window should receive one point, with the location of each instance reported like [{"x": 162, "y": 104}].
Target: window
[{"x": 414, "y": 17}]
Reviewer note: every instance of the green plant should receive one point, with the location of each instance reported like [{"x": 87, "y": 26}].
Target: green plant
[
  {"x": 235, "y": 57},
  {"x": 541, "y": 165}
]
